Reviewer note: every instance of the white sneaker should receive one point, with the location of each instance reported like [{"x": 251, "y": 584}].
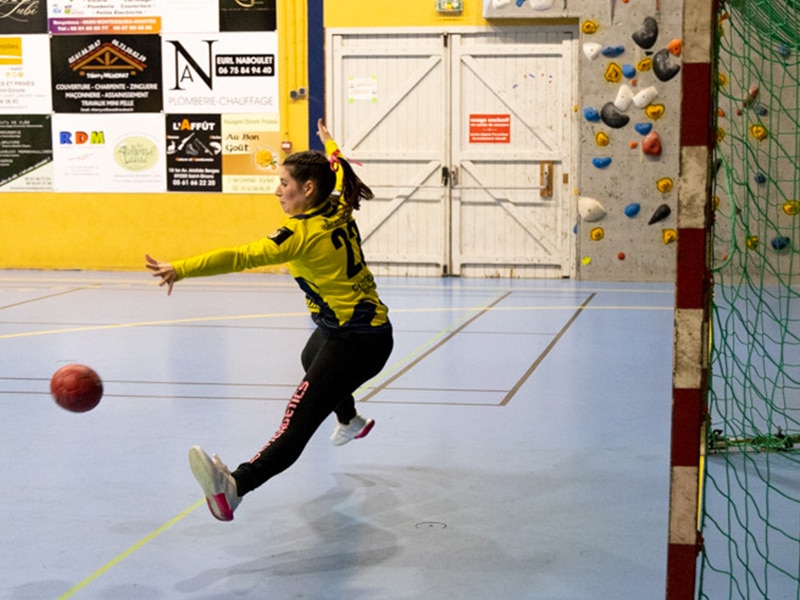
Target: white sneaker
[
  {"x": 357, "y": 428},
  {"x": 218, "y": 484}
]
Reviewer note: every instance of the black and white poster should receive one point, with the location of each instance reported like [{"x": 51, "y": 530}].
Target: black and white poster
[
  {"x": 106, "y": 73},
  {"x": 194, "y": 153},
  {"x": 26, "y": 153}
]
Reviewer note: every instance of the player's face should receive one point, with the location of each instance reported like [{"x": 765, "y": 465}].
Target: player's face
[{"x": 291, "y": 193}]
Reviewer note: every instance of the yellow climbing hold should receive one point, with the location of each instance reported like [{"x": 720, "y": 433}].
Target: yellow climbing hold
[
  {"x": 722, "y": 79},
  {"x": 720, "y": 134},
  {"x": 589, "y": 27},
  {"x": 715, "y": 202},
  {"x": 601, "y": 138},
  {"x": 752, "y": 242},
  {"x": 586, "y": 260},
  {"x": 791, "y": 207},
  {"x": 668, "y": 236},
  {"x": 758, "y": 131},
  {"x": 613, "y": 73},
  {"x": 664, "y": 185},
  {"x": 644, "y": 65},
  {"x": 655, "y": 111},
  {"x": 597, "y": 234}
]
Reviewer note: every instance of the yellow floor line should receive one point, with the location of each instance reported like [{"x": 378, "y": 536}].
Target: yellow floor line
[{"x": 131, "y": 550}]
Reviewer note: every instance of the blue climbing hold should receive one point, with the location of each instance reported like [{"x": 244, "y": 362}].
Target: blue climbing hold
[
  {"x": 601, "y": 162},
  {"x": 629, "y": 71},
  {"x": 632, "y": 209},
  {"x": 591, "y": 114},
  {"x": 780, "y": 243},
  {"x": 612, "y": 51},
  {"x": 643, "y": 128},
  {"x": 761, "y": 178}
]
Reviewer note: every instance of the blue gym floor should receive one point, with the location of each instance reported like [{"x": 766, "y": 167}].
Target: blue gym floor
[{"x": 521, "y": 446}]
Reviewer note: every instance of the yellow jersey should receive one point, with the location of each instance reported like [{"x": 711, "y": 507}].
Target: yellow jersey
[{"x": 322, "y": 247}]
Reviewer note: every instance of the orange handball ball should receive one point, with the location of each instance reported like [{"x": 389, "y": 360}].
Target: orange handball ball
[{"x": 76, "y": 388}]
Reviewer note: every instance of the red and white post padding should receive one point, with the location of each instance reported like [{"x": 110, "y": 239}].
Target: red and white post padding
[{"x": 692, "y": 295}]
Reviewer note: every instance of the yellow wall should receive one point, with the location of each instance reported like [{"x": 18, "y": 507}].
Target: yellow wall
[
  {"x": 114, "y": 231},
  {"x": 388, "y": 13}
]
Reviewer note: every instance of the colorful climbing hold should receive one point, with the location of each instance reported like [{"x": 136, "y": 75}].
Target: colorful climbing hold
[
  {"x": 752, "y": 242},
  {"x": 597, "y": 234},
  {"x": 591, "y": 114},
  {"x": 632, "y": 209},
  {"x": 589, "y": 27},
  {"x": 780, "y": 243},
  {"x": 613, "y": 72},
  {"x": 624, "y": 98},
  {"x": 592, "y": 50},
  {"x": 645, "y": 97},
  {"x": 659, "y": 214},
  {"x": 783, "y": 50},
  {"x": 628, "y": 71},
  {"x": 601, "y": 162},
  {"x": 761, "y": 178},
  {"x": 646, "y": 36},
  {"x": 633, "y": 144},
  {"x": 664, "y": 185},
  {"x": 590, "y": 209},
  {"x": 586, "y": 260},
  {"x": 602, "y": 138},
  {"x": 612, "y": 116},
  {"x": 722, "y": 79},
  {"x": 655, "y": 111},
  {"x": 612, "y": 51},
  {"x": 620, "y": 256},
  {"x": 643, "y": 128},
  {"x": 720, "y": 134},
  {"x": 663, "y": 68},
  {"x": 668, "y": 236},
  {"x": 752, "y": 94},
  {"x": 644, "y": 65},
  {"x": 758, "y": 131},
  {"x": 791, "y": 207},
  {"x": 675, "y": 47},
  {"x": 651, "y": 145}
]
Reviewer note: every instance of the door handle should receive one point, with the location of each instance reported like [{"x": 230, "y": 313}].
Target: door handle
[
  {"x": 546, "y": 179},
  {"x": 445, "y": 176}
]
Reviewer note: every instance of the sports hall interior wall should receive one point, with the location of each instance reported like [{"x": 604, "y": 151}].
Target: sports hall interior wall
[{"x": 625, "y": 197}]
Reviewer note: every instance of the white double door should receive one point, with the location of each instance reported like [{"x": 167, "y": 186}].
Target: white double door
[{"x": 467, "y": 139}]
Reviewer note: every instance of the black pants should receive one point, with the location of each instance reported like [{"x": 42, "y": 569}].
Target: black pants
[{"x": 336, "y": 364}]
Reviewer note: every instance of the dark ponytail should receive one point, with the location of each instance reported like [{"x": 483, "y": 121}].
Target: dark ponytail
[{"x": 317, "y": 167}]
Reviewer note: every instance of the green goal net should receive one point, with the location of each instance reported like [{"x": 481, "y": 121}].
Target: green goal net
[{"x": 750, "y": 519}]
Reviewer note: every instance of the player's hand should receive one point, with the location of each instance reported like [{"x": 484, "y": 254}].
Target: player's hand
[
  {"x": 322, "y": 132},
  {"x": 164, "y": 270}
]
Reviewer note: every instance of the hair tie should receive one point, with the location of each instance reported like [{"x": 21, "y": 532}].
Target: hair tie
[{"x": 336, "y": 157}]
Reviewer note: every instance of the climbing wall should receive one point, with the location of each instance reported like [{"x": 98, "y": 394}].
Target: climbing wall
[{"x": 628, "y": 104}]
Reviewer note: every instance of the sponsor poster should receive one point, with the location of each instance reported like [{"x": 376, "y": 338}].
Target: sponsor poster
[
  {"x": 221, "y": 73},
  {"x": 106, "y": 73},
  {"x": 106, "y": 153},
  {"x": 23, "y": 16},
  {"x": 250, "y": 153},
  {"x": 247, "y": 15},
  {"x": 76, "y": 17},
  {"x": 25, "y": 74},
  {"x": 194, "y": 153},
  {"x": 26, "y": 153}
]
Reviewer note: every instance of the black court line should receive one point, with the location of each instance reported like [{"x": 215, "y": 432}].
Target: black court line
[
  {"x": 512, "y": 392},
  {"x": 430, "y": 350}
]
